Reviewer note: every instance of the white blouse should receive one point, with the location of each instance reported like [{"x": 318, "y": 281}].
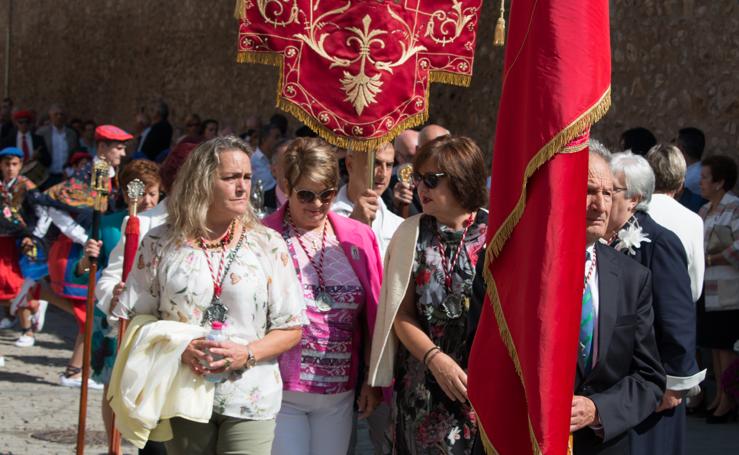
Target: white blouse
[{"x": 172, "y": 281}]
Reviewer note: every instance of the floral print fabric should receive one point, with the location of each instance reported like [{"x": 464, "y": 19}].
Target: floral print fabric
[
  {"x": 171, "y": 280},
  {"x": 426, "y": 420}
]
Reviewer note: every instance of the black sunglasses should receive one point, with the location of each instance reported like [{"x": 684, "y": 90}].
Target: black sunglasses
[
  {"x": 430, "y": 179},
  {"x": 308, "y": 196}
]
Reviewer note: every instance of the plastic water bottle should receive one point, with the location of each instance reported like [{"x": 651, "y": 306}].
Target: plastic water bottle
[{"x": 216, "y": 334}]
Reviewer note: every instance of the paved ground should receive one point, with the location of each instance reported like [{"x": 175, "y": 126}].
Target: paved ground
[{"x": 33, "y": 405}]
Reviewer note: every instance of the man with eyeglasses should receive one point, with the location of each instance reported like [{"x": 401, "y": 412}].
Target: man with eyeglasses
[
  {"x": 355, "y": 200},
  {"x": 60, "y": 140}
]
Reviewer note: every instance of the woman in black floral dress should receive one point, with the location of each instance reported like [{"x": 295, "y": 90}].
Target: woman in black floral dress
[{"x": 432, "y": 413}]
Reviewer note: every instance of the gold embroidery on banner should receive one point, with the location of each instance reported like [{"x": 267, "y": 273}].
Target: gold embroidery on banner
[
  {"x": 358, "y": 93},
  {"x": 458, "y": 20},
  {"x": 361, "y": 89},
  {"x": 263, "y": 4}
]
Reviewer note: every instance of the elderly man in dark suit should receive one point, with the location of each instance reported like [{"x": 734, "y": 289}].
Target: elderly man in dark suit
[
  {"x": 60, "y": 141},
  {"x": 635, "y": 234},
  {"x": 619, "y": 378}
]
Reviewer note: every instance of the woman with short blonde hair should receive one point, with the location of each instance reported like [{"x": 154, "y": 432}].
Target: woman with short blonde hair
[
  {"x": 338, "y": 264},
  {"x": 213, "y": 265}
]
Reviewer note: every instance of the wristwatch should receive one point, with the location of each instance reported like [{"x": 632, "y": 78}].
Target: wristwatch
[{"x": 251, "y": 361}]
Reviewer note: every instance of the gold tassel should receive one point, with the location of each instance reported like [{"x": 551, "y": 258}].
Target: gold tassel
[
  {"x": 240, "y": 10},
  {"x": 499, "y": 39}
]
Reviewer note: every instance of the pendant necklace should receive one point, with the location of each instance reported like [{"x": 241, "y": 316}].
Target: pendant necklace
[
  {"x": 323, "y": 299},
  {"x": 217, "y": 311},
  {"x": 453, "y": 302}
]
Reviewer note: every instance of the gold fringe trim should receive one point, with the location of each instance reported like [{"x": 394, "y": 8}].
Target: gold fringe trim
[
  {"x": 262, "y": 58},
  {"x": 445, "y": 77},
  {"x": 501, "y": 236},
  {"x": 557, "y": 143},
  {"x": 486, "y": 443},
  {"x": 240, "y": 10},
  {"x": 362, "y": 145}
]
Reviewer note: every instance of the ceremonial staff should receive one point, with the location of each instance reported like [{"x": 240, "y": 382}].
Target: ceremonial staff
[
  {"x": 100, "y": 187},
  {"x": 405, "y": 173},
  {"x": 135, "y": 190}
]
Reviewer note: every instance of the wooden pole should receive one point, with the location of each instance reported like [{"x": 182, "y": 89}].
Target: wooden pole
[
  {"x": 135, "y": 190},
  {"x": 100, "y": 185},
  {"x": 371, "y": 169},
  {"x": 90, "y": 308}
]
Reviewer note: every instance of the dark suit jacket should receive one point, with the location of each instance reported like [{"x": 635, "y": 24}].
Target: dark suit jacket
[
  {"x": 157, "y": 140},
  {"x": 674, "y": 311},
  {"x": 46, "y": 155},
  {"x": 39, "y": 146},
  {"x": 627, "y": 381}
]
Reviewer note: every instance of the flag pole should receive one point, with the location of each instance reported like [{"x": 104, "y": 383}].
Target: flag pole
[{"x": 135, "y": 190}]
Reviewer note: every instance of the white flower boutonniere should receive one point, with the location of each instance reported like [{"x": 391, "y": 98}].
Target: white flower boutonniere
[{"x": 631, "y": 237}]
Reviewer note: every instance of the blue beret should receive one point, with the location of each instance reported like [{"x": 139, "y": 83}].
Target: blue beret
[{"x": 11, "y": 151}]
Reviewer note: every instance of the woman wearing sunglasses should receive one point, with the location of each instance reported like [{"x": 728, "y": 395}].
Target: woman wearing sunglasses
[
  {"x": 424, "y": 304},
  {"x": 338, "y": 264}
]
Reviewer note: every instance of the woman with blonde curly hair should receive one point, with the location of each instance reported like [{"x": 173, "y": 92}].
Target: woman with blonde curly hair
[{"x": 212, "y": 264}]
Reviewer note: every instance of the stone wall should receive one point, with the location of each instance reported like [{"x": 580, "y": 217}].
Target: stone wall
[{"x": 675, "y": 63}]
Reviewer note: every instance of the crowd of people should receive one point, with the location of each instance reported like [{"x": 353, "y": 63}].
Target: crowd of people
[{"x": 347, "y": 292}]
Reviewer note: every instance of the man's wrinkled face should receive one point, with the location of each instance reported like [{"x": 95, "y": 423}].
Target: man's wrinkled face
[{"x": 599, "y": 199}]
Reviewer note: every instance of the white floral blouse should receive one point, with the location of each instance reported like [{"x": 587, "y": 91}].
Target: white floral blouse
[{"x": 172, "y": 281}]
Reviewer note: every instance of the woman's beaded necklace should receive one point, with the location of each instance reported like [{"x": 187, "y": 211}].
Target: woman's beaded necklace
[
  {"x": 217, "y": 310},
  {"x": 323, "y": 299}
]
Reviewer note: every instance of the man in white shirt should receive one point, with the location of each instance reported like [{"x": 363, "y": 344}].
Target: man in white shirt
[
  {"x": 261, "y": 165},
  {"x": 357, "y": 201},
  {"x": 669, "y": 168},
  {"x": 60, "y": 140}
]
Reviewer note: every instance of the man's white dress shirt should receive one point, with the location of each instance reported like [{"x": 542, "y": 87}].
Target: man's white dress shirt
[
  {"x": 60, "y": 150},
  {"x": 384, "y": 225},
  {"x": 594, "y": 292}
]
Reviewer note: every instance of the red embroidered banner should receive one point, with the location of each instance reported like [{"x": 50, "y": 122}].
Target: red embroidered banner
[{"x": 358, "y": 71}]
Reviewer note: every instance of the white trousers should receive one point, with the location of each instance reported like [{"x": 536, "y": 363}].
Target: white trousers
[{"x": 314, "y": 424}]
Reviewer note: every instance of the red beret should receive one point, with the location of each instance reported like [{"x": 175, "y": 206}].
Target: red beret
[
  {"x": 78, "y": 155},
  {"x": 18, "y": 115},
  {"x": 111, "y": 133}
]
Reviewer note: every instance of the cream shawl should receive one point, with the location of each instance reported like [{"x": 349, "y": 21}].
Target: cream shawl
[{"x": 399, "y": 259}]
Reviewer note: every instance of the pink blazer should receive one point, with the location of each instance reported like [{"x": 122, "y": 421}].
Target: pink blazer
[{"x": 360, "y": 247}]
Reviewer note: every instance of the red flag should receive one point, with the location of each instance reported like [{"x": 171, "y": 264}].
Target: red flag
[{"x": 556, "y": 85}]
